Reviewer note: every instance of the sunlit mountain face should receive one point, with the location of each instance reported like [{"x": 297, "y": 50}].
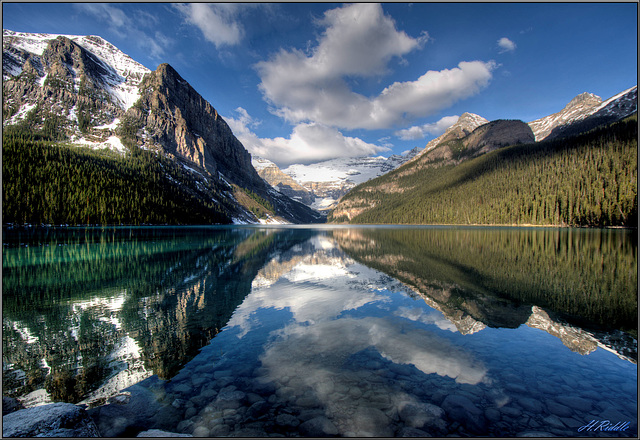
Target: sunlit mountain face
[{"x": 342, "y": 331}]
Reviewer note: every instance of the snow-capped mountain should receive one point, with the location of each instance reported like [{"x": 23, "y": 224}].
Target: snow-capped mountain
[
  {"x": 587, "y": 110},
  {"x": 121, "y": 74},
  {"x": 282, "y": 182},
  {"x": 89, "y": 93},
  {"x": 326, "y": 182}
]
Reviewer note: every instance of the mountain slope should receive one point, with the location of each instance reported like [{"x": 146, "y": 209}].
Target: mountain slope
[
  {"x": 320, "y": 185},
  {"x": 282, "y": 182},
  {"x": 83, "y": 91},
  {"x": 46, "y": 183},
  {"x": 462, "y": 127},
  {"x": 485, "y": 138},
  {"x": 586, "y": 180},
  {"x": 584, "y": 112}
]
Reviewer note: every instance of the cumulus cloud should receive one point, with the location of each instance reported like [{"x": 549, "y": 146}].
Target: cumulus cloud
[
  {"x": 218, "y": 22},
  {"x": 360, "y": 41},
  {"x": 421, "y": 131},
  {"x": 307, "y": 143},
  {"x": 506, "y": 45}
]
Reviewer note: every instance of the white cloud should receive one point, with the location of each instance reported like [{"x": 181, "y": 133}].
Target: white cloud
[
  {"x": 124, "y": 26},
  {"x": 308, "y": 142},
  {"x": 506, "y": 45},
  {"x": 218, "y": 22},
  {"x": 421, "y": 131},
  {"x": 113, "y": 16},
  {"x": 359, "y": 41}
]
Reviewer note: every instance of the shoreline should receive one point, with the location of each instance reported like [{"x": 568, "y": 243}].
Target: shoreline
[{"x": 313, "y": 225}]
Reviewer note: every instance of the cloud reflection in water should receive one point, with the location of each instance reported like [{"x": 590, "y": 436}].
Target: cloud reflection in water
[{"x": 345, "y": 330}]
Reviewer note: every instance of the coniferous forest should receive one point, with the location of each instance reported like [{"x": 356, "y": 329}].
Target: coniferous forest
[
  {"x": 48, "y": 183},
  {"x": 587, "y": 180}
]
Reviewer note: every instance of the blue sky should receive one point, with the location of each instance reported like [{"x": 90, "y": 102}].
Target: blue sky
[{"x": 299, "y": 83}]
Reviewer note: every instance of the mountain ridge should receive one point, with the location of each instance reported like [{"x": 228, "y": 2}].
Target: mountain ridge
[
  {"x": 585, "y": 180},
  {"x": 585, "y": 111},
  {"x": 56, "y": 85},
  {"x": 322, "y": 184}
]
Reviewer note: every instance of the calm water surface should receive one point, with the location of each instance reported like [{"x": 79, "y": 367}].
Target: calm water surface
[{"x": 385, "y": 332}]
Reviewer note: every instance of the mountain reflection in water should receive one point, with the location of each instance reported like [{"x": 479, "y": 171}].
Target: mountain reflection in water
[{"x": 330, "y": 331}]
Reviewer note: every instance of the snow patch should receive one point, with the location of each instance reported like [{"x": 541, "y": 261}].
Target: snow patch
[
  {"x": 112, "y": 143},
  {"x": 20, "y": 115},
  {"x": 111, "y": 126},
  {"x": 188, "y": 168}
]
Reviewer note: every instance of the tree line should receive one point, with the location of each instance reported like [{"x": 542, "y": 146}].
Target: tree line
[{"x": 48, "y": 183}]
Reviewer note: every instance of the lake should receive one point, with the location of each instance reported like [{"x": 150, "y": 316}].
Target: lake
[{"x": 326, "y": 331}]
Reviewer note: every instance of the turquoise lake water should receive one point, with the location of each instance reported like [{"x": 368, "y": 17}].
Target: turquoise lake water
[{"x": 326, "y": 331}]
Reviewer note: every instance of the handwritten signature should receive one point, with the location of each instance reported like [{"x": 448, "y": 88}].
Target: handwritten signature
[{"x": 604, "y": 425}]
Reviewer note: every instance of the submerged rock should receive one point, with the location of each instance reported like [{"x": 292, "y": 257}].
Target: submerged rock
[
  {"x": 461, "y": 409},
  {"x": 420, "y": 415},
  {"x": 157, "y": 433},
  {"x": 9, "y": 405},
  {"x": 318, "y": 427},
  {"x": 371, "y": 422},
  {"x": 54, "y": 420}
]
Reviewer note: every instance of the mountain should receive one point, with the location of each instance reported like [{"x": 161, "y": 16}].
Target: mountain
[
  {"x": 584, "y": 112},
  {"x": 584, "y": 180},
  {"x": 461, "y": 128},
  {"x": 470, "y": 136},
  {"x": 486, "y": 137},
  {"x": 83, "y": 91},
  {"x": 282, "y": 182},
  {"x": 321, "y": 185},
  {"x": 401, "y": 196}
]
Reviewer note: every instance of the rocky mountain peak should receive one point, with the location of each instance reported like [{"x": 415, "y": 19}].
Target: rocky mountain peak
[
  {"x": 487, "y": 137},
  {"x": 588, "y": 99},
  {"x": 470, "y": 119},
  {"x": 177, "y": 118},
  {"x": 67, "y": 59},
  {"x": 465, "y": 124}
]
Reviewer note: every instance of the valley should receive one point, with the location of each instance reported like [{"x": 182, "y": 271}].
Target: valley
[{"x": 112, "y": 142}]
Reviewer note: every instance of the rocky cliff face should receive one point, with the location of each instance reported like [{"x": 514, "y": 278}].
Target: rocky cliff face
[
  {"x": 172, "y": 117},
  {"x": 498, "y": 134},
  {"x": 282, "y": 182},
  {"x": 64, "y": 80},
  {"x": 175, "y": 118}
]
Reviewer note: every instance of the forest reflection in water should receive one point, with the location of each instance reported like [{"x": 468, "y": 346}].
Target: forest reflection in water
[{"x": 89, "y": 312}]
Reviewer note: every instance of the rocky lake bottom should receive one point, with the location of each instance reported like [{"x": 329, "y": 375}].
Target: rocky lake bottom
[{"x": 370, "y": 397}]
